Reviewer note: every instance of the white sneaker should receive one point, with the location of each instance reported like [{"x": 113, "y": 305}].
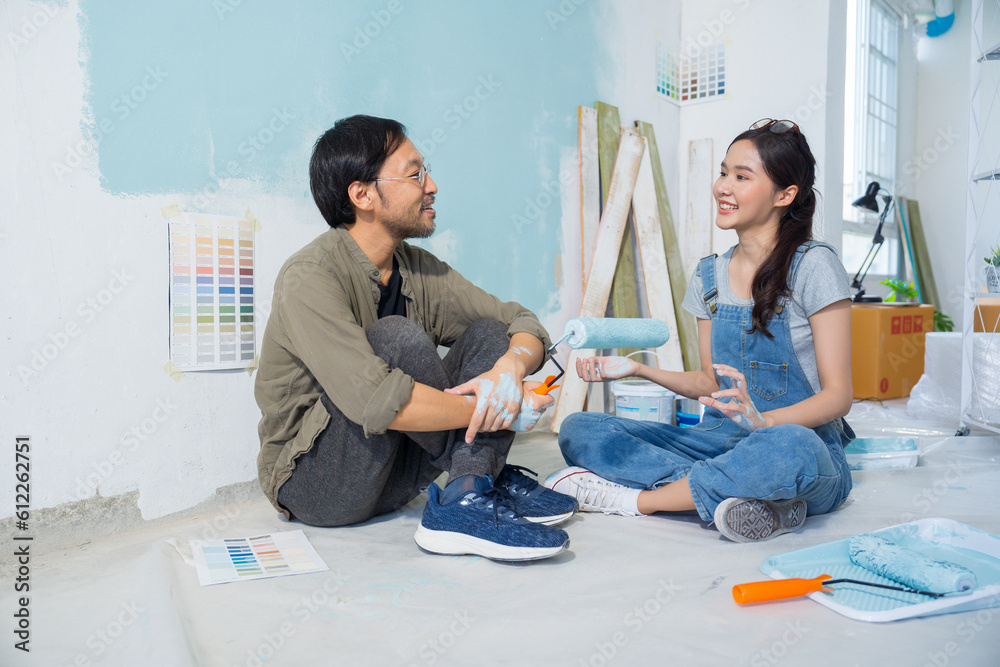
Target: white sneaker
[{"x": 593, "y": 492}]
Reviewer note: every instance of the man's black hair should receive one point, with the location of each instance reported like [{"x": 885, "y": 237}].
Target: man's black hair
[{"x": 354, "y": 149}]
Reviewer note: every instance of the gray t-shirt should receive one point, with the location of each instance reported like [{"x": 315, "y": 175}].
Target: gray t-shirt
[{"x": 820, "y": 281}]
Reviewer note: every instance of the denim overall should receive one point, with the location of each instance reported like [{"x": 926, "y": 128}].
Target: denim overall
[{"x": 720, "y": 459}]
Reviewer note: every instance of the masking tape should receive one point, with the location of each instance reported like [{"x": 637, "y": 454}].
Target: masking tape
[
  {"x": 248, "y": 214},
  {"x": 171, "y": 211},
  {"x": 252, "y": 366},
  {"x": 175, "y": 373}
]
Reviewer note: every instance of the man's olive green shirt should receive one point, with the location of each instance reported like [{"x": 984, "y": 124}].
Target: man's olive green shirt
[{"x": 325, "y": 297}]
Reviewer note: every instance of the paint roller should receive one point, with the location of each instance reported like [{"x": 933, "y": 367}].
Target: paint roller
[
  {"x": 917, "y": 574},
  {"x": 606, "y": 332}
]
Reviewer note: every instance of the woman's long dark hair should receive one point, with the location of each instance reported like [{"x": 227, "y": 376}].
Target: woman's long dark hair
[{"x": 787, "y": 160}]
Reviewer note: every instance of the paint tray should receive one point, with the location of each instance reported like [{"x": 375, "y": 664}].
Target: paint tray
[
  {"x": 937, "y": 538},
  {"x": 885, "y": 452}
]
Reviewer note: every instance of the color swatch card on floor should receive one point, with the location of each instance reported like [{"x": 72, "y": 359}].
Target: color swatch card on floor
[{"x": 256, "y": 557}]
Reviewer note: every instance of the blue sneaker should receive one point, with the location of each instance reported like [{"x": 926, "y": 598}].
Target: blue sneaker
[
  {"x": 480, "y": 523},
  {"x": 533, "y": 501}
]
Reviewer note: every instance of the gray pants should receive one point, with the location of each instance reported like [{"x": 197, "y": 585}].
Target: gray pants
[{"x": 347, "y": 478}]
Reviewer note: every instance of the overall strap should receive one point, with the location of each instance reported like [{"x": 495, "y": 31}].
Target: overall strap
[{"x": 710, "y": 292}]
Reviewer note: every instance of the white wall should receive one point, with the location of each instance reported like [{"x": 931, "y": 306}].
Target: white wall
[
  {"x": 778, "y": 55},
  {"x": 937, "y": 168},
  {"x": 84, "y": 320}
]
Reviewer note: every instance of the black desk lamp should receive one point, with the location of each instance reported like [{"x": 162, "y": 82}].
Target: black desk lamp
[{"x": 869, "y": 202}]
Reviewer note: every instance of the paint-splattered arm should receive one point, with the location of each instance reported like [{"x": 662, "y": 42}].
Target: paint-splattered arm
[{"x": 527, "y": 353}]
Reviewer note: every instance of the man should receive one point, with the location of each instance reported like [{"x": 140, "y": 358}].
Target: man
[{"x": 356, "y": 418}]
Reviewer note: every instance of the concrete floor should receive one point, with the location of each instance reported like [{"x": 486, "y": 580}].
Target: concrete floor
[{"x": 654, "y": 590}]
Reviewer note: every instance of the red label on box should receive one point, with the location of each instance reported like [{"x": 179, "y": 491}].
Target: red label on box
[
  {"x": 908, "y": 324},
  {"x": 883, "y": 385},
  {"x": 896, "y": 324},
  {"x": 918, "y": 324}
]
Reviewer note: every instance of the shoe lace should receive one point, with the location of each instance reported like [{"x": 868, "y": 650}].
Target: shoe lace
[
  {"x": 515, "y": 477},
  {"x": 497, "y": 498},
  {"x": 595, "y": 494}
]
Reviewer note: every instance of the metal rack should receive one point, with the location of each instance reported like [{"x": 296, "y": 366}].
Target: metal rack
[{"x": 981, "y": 349}]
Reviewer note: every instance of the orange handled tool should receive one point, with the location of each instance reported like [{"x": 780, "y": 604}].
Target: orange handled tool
[
  {"x": 780, "y": 589},
  {"x": 546, "y": 386}
]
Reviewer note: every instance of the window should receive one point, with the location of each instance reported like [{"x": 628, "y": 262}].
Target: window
[{"x": 870, "y": 119}]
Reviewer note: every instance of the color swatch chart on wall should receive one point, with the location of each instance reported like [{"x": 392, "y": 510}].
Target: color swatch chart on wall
[
  {"x": 697, "y": 74},
  {"x": 211, "y": 292},
  {"x": 258, "y": 557}
]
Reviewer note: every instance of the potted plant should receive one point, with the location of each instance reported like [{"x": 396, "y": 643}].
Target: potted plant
[
  {"x": 897, "y": 288},
  {"x": 993, "y": 271}
]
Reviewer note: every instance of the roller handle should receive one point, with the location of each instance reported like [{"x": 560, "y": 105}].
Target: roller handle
[
  {"x": 779, "y": 589},
  {"x": 546, "y": 386}
]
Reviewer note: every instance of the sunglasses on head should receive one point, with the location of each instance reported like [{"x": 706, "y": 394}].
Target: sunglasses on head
[
  {"x": 782, "y": 127},
  {"x": 776, "y": 126}
]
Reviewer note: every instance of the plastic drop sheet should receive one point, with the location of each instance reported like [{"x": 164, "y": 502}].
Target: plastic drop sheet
[
  {"x": 938, "y": 393},
  {"x": 628, "y": 591}
]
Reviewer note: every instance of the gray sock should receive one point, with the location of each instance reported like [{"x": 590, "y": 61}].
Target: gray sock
[{"x": 456, "y": 488}]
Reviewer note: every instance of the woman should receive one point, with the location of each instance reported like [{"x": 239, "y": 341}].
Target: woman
[{"x": 774, "y": 332}]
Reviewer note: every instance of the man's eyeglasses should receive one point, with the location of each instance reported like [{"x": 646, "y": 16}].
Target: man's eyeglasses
[
  {"x": 420, "y": 177},
  {"x": 776, "y": 126}
]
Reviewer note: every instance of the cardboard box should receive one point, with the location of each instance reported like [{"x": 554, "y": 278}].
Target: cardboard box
[
  {"x": 887, "y": 347},
  {"x": 987, "y": 316}
]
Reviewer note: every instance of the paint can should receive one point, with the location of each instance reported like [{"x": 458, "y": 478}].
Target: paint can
[
  {"x": 643, "y": 400},
  {"x": 689, "y": 411}
]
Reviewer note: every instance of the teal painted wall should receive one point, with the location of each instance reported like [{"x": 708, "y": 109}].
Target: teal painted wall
[{"x": 185, "y": 93}]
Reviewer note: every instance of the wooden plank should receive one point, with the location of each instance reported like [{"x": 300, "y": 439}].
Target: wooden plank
[
  {"x": 623, "y": 291},
  {"x": 653, "y": 263},
  {"x": 602, "y": 267},
  {"x": 590, "y": 213},
  {"x": 921, "y": 256},
  {"x": 909, "y": 265},
  {"x": 687, "y": 329},
  {"x": 590, "y": 188},
  {"x": 609, "y": 131},
  {"x": 695, "y": 239}
]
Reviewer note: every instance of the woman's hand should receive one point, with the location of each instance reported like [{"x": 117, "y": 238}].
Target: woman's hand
[
  {"x": 599, "y": 369},
  {"x": 740, "y": 407}
]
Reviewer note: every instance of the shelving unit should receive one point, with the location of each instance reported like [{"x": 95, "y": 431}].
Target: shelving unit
[
  {"x": 991, "y": 54},
  {"x": 981, "y": 344}
]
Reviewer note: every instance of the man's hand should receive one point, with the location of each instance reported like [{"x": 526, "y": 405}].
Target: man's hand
[
  {"x": 498, "y": 394},
  {"x": 532, "y": 407}
]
